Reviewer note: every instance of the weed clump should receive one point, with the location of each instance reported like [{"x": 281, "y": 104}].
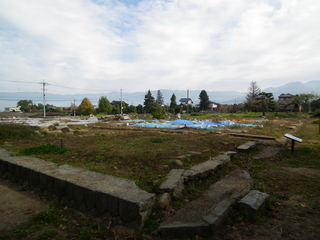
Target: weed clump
[{"x": 44, "y": 149}]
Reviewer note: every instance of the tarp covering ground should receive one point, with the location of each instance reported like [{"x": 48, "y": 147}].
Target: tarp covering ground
[{"x": 210, "y": 125}]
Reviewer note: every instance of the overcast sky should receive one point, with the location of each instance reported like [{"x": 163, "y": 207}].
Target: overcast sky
[{"x": 108, "y": 45}]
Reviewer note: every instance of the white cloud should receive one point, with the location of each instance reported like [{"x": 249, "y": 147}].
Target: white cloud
[{"x": 158, "y": 44}]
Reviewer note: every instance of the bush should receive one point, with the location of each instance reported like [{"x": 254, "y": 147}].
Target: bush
[
  {"x": 316, "y": 121},
  {"x": 44, "y": 149}
]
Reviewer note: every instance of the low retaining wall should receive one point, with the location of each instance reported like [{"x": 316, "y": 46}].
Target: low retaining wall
[{"x": 117, "y": 199}]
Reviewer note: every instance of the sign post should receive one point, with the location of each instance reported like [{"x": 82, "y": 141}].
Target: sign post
[{"x": 293, "y": 138}]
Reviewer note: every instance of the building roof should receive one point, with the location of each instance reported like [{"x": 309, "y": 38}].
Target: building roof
[
  {"x": 185, "y": 99},
  {"x": 288, "y": 95}
]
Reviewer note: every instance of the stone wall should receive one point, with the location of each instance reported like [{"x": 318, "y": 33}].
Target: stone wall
[{"x": 117, "y": 199}]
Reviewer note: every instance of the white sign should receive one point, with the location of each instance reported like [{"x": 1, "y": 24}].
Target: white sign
[{"x": 293, "y": 137}]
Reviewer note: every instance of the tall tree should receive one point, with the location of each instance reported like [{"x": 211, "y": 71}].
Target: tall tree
[
  {"x": 148, "y": 102},
  {"x": 25, "y": 105},
  {"x": 159, "y": 100},
  {"x": 204, "y": 100},
  {"x": 266, "y": 101},
  {"x": 104, "y": 105},
  {"x": 253, "y": 91},
  {"x": 85, "y": 108},
  {"x": 173, "y": 100}
]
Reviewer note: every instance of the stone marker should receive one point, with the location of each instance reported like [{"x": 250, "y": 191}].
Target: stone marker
[{"x": 253, "y": 200}]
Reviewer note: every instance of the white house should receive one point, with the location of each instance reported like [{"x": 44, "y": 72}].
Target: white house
[
  {"x": 12, "y": 109},
  {"x": 186, "y": 101}
]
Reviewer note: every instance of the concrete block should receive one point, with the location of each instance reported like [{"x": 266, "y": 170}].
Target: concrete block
[
  {"x": 174, "y": 182},
  {"x": 247, "y": 146},
  {"x": 253, "y": 200}
]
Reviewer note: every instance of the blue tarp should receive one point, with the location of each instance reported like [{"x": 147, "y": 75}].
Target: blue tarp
[
  {"x": 181, "y": 122},
  {"x": 193, "y": 124}
]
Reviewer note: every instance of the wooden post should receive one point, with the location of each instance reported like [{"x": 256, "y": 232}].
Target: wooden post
[
  {"x": 62, "y": 143},
  {"x": 292, "y": 146}
]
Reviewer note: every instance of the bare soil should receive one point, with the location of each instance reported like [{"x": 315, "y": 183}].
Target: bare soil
[{"x": 18, "y": 205}]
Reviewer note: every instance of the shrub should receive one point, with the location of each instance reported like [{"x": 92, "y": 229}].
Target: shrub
[{"x": 44, "y": 149}]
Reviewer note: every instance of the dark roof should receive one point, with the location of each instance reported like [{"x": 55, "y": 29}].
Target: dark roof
[
  {"x": 288, "y": 95},
  {"x": 185, "y": 99}
]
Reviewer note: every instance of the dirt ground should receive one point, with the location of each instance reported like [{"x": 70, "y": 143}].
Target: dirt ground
[{"x": 17, "y": 205}]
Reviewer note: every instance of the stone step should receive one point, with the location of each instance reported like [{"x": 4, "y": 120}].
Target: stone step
[
  {"x": 202, "y": 216},
  {"x": 247, "y": 146},
  {"x": 174, "y": 183}
]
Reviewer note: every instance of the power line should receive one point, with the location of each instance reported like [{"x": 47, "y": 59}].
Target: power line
[
  {"x": 100, "y": 90},
  {"x": 17, "y": 81}
]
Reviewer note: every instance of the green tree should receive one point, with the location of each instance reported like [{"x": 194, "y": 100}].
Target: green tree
[
  {"x": 140, "y": 109},
  {"x": 159, "y": 100},
  {"x": 204, "y": 100},
  {"x": 131, "y": 109},
  {"x": 25, "y": 105},
  {"x": 315, "y": 104},
  {"x": 157, "y": 111},
  {"x": 148, "y": 102},
  {"x": 104, "y": 105},
  {"x": 85, "y": 108},
  {"x": 304, "y": 100},
  {"x": 253, "y": 91},
  {"x": 173, "y": 103},
  {"x": 266, "y": 102}
]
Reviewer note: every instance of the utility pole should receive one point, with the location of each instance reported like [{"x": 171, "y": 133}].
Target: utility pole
[
  {"x": 44, "y": 97},
  {"x": 74, "y": 107},
  {"x": 187, "y": 101},
  {"x": 121, "y": 102}
]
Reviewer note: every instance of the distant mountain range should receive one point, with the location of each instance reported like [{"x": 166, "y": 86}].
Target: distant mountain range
[
  {"x": 295, "y": 88},
  {"x": 223, "y": 97}
]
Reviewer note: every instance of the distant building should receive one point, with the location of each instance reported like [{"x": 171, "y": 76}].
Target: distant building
[
  {"x": 285, "y": 98},
  {"x": 12, "y": 109},
  {"x": 186, "y": 101},
  {"x": 115, "y": 103},
  {"x": 285, "y": 101},
  {"x": 213, "y": 106}
]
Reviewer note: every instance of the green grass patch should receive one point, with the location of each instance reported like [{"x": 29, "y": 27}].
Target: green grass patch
[
  {"x": 156, "y": 140},
  {"x": 44, "y": 149},
  {"x": 15, "y": 132}
]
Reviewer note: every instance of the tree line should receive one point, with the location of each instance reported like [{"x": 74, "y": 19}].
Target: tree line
[{"x": 256, "y": 101}]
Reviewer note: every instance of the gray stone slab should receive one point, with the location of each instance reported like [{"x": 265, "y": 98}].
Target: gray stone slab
[
  {"x": 218, "y": 214},
  {"x": 253, "y": 200},
  {"x": 247, "y": 146},
  {"x": 196, "y": 217},
  {"x": 174, "y": 182},
  {"x": 207, "y": 168}
]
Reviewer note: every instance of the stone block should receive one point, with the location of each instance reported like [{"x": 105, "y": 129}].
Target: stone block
[
  {"x": 247, "y": 146},
  {"x": 253, "y": 200},
  {"x": 218, "y": 214},
  {"x": 64, "y": 129},
  {"x": 174, "y": 182}
]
